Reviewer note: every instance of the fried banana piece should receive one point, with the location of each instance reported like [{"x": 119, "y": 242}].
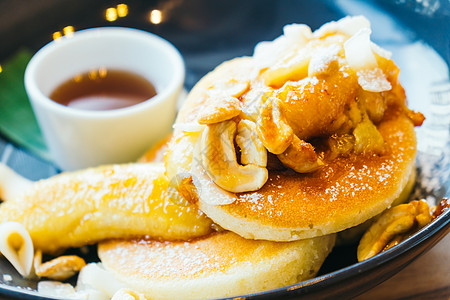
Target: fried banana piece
[
  {"x": 115, "y": 201},
  {"x": 393, "y": 226}
]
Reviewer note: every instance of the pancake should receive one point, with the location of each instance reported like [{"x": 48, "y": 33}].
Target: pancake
[
  {"x": 343, "y": 194},
  {"x": 329, "y": 192},
  {"x": 220, "y": 265},
  {"x": 354, "y": 234}
]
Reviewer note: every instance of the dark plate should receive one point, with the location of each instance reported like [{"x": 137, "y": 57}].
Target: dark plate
[{"x": 209, "y": 32}]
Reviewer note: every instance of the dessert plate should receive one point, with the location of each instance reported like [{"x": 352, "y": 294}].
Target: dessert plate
[{"x": 209, "y": 32}]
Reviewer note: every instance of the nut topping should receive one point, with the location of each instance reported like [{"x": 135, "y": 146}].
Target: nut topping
[
  {"x": 232, "y": 87},
  {"x": 60, "y": 268},
  {"x": 219, "y": 109},
  {"x": 300, "y": 157},
  {"x": 252, "y": 149},
  {"x": 218, "y": 156},
  {"x": 273, "y": 130}
]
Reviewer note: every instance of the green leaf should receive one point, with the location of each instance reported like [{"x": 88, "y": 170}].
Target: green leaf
[{"x": 17, "y": 121}]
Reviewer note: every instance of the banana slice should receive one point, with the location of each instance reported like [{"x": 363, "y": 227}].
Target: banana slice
[{"x": 17, "y": 247}]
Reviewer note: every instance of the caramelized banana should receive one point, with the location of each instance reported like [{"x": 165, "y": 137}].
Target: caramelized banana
[
  {"x": 393, "y": 226},
  {"x": 115, "y": 201}
]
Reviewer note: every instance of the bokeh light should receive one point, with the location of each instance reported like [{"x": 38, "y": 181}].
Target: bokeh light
[
  {"x": 57, "y": 35},
  {"x": 156, "y": 16},
  {"x": 93, "y": 75},
  {"x": 111, "y": 14},
  {"x": 122, "y": 10},
  {"x": 68, "y": 31},
  {"x": 102, "y": 72}
]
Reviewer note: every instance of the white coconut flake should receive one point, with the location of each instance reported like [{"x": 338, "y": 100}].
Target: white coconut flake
[
  {"x": 322, "y": 59},
  {"x": 299, "y": 33},
  {"x": 268, "y": 53},
  {"x": 348, "y": 25},
  {"x": 93, "y": 277},
  {"x": 56, "y": 289},
  {"x": 358, "y": 51},
  {"x": 373, "y": 80}
]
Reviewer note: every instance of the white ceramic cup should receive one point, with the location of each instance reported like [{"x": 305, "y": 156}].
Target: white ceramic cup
[{"x": 82, "y": 138}]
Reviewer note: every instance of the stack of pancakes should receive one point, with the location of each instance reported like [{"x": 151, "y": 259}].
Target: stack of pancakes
[{"x": 282, "y": 150}]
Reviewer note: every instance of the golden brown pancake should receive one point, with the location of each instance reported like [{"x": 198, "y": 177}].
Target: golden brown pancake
[
  {"x": 220, "y": 265},
  {"x": 344, "y": 193},
  {"x": 339, "y": 191},
  {"x": 353, "y": 234}
]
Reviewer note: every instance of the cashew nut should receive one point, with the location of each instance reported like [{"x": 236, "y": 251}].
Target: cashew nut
[
  {"x": 232, "y": 87},
  {"x": 219, "y": 160},
  {"x": 374, "y": 104},
  {"x": 252, "y": 149},
  {"x": 219, "y": 109},
  {"x": 273, "y": 130},
  {"x": 300, "y": 156},
  {"x": 394, "y": 225},
  {"x": 60, "y": 268},
  {"x": 368, "y": 138},
  {"x": 206, "y": 190},
  {"x": 223, "y": 103}
]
